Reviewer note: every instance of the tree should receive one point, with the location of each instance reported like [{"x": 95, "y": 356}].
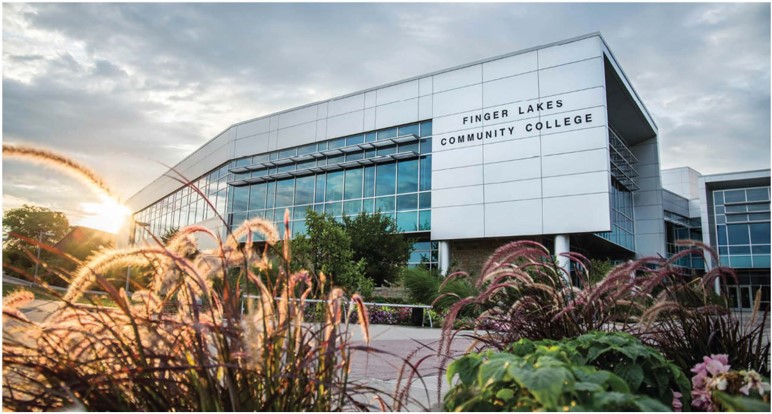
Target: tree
[
  {"x": 326, "y": 248},
  {"x": 36, "y": 223},
  {"x": 376, "y": 239}
]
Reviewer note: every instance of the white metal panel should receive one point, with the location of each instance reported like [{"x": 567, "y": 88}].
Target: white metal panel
[
  {"x": 273, "y": 123},
  {"x": 449, "y": 141},
  {"x": 346, "y": 105},
  {"x": 512, "y": 170},
  {"x": 458, "y": 78},
  {"x": 462, "y": 222},
  {"x": 425, "y": 86},
  {"x": 453, "y": 123},
  {"x": 457, "y": 177},
  {"x": 575, "y": 163},
  {"x": 513, "y": 218},
  {"x": 511, "y": 150},
  {"x": 398, "y": 92},
  {"x": 575, "y": 141},
  {"x": 345, "y": 124},
  {"x": 321, "y": 111},
  {"x": 571, "y": 101},
  {"x": 577, "y": 214},
  {"x": 509, "y": 66},
  {"x": 296, "y": 135},
  {"x": 570, "y": 52},
  {"x": 575, "y": 184},
  {"x": 251, "y": 145},
  {"x": 455, "y": 158},
  {"x": 371, "y": 99},
  {"x": 369, "y": 124},
  {"x": 514, "y": 190},
  {"x": 255, "y": 127},
  {"x": 321, "y": 130},
  {"x": 460, "y": 196},
  {"x": 425, "y": 108},
  {"x": 512, "y": 89},
  {"x": 571, "y": 77},
  {"x": 396, "y": 113},
  {"x": 297, "y": 117},
  {"x": 573, "y": 120},
  {"x": 458, "y": 100}
]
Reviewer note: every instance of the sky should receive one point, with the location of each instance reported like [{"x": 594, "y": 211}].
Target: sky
[{"x": 130, "y": 89}]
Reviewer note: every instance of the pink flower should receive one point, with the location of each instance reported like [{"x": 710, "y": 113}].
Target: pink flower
[
  {"x": 677, "y": 405},
  {"x": 753, "y": 381},
  {"x": 709, "y": 375}
]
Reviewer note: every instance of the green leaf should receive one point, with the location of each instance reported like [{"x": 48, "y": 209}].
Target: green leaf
[
  {"x": 506, "y": 394},
  {"x": 612, "y": 401},
  {"x": 545, "y": 384},
  {"x": 649, "y": 404},
  {"x": 587, "y": 386},
  {"x": 492, "y": 371},
  {"x": 740, "y": 403},
  {"x": 631, "y": 373},
  {"x": 466, "y": 367}
]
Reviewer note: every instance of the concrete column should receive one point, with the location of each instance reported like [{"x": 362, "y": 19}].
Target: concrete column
[
  {"x": 563, "y": 245},
  {"x": 444, "y": 253}
]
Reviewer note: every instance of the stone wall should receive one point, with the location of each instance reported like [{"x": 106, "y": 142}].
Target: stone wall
[{"x": 470, "y": 255}]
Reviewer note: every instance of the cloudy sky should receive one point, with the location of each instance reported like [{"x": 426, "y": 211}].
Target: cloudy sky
[{"x": 127, "y": 88}]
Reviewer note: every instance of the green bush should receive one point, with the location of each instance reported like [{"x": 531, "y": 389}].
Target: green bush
[
  {"x": 376, "y": 239},
  {"x": 423, "y": 284},
  {"x": 545, "y": 380},
  {"x": 455, "y": 289},
  {"x": 643, "y": 368}
]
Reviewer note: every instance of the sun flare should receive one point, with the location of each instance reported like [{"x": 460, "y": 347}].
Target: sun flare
[{"x": 108, "y": 215}]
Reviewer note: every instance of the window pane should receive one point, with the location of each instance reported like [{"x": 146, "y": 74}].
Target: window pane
[
  {"x": 387, "y": 150},
  {"x": 407, "y": 147},
  {"x": 426, "y": 145},
  {"x": 334, "y": 186},
  {"x": 738, "y": 233},
  {"x": 334, "y": 209},
  {"x": 353, "y": 184},
  {"x": 425, "y": 220},
  {"x": 407, "y": 221},
  {"x": 426, "y": 129},
  {"x": 407, "y": 202},
  {"x": 721, "y": 234},
  {"x": 336, "y": 159},
  {"x": 270, "y": 194},
  {"x": 286, "y": 153},
  {"x": 740, "y": 250},
  {"x": 759, "y": 233},
  {"x": 336, "y": 143},
  {"x": 387, "y": 133},
  {"x": 426, "y": 173},
  {"x": 306, "y": 149},
  {"x": 320, "y": 180},
  {"x": 352, "y": 208},
  {"x": 304, "y": 190},
  {"x": 257, "y": 197},
  {"x": 734, "y": 196},
  {"x": 370, "y": 136},
  {"x": 734, "y": 209},
  {"x": 757, "y": 194},
  {"x": 408, "y": 129},
  {"x": 740, "y": 261},
  {"x": 369, "y": 184},
  {"x": 385, "y": 179},
  {"x": 355, "y": 156},
  {"x": 299, "y": 213},
  {"x": 758, "y": 207},
  {"x": 758, "y": 216},
  {"x": 284, "y": 192},
  {"x": 240, "y": 199},
  {"x": 763, "y": 249},
  {"x": 384, "y": 204},
  {"x": 407, "y": 176},
  {"x": 368, "y": 205},
  {"x": 355, "y": 139},
  {"x": 425, "y": 200}
]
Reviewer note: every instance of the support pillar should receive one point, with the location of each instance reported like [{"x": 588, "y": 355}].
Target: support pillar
[
  {"x": 444, "y": 257},
  {"x": 563, "y": 245}
]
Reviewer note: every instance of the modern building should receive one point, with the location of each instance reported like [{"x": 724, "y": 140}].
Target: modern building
[
  {"x": 550, "y": 143},
  {"x": 731, "y": 213}
]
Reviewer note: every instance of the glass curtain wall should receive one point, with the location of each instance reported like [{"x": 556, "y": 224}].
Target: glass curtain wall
[{"x": 742, "y": 220}]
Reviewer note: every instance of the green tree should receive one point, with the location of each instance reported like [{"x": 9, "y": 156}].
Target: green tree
[
  {"x": 36, "y": 223},
  {"x": 376, "y": 239},
  {"x": 326, "y": 248}
]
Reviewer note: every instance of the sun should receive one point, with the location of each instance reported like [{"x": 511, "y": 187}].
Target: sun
[{"x": 108, "y": 215}]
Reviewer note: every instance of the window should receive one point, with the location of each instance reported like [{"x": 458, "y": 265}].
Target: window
[
  {"x": 407, "y": 176},
  {"x": 304, "y": 190},
  {"x": 385, "y": 179},
  {"x": 353, "y": 184},
  {"x": 334, "y": 186}
]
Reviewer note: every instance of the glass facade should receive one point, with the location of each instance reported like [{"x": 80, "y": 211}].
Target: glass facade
[
  {"x": 623, "y": 183},
  {"x": 742, "y": 226},
  {"x": 678, "y": 227},
  {"x": 425, "y": 253},
  {"x": 388, "y": 170}
]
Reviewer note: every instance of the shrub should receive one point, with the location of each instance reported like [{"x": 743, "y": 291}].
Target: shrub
[
  {"x": 422, "y": 284},
  {"x": 544, "y": 380},
  {"x": 376, "y": 239},
  {"x": 643, "y": 368}
]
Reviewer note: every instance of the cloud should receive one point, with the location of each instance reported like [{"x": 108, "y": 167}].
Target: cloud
[{"x": 126, "y": 88}]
